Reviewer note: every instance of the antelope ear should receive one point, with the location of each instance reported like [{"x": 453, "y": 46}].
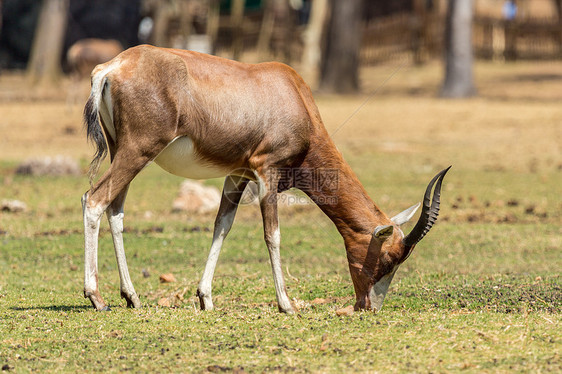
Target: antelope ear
[
  {"x": 383, "y": 232},
  {"x": 403, "y": 217}
]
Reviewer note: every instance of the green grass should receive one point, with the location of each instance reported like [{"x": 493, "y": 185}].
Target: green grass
[
  {"x": 481, "y": 293},
  {"x": 477, "y": 295}
]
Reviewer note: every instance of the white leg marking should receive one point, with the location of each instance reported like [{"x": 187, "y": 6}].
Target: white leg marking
[
  {"x": 273, "y": 241},
  {"x": 220, "y": 232},
  {"x": 116, "y": 225},
  {"x": 223, "y": 223},
  {"x": 278, "y": 279},
  {"x": 92, "y": 217}
]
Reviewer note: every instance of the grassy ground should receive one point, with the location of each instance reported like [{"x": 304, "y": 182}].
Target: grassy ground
[{"x": 481, "y": 293}]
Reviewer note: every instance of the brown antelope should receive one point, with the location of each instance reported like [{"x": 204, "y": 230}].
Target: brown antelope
[
  {"x": 201, "y": 116},
  {"x": 85, "y": 54},
  {"x": 82, "y": 57}
]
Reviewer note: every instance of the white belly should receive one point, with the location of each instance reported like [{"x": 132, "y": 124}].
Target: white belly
[{"x": 179, "y": 158}]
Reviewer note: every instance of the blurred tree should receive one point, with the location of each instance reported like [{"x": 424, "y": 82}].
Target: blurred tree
[
  {"x": 162, "y": 12},
  {"x": 45, "y": 62},
  {"x": 459, "y": 80},
  {"x": 558, "y": 6},
  {"x": 340, "y": 64},
  {"x": 312, "y": 53},
  {"x": 213, "y": 23},
  {"x": 277, "y": 26},
  {"x": 0, "y": 17},
  {"x": 236, "y": 19}
]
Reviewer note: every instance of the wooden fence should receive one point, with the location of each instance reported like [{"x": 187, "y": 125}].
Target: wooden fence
[
  {"x": 409, "y": 36},
  {"x": 538, "y": 39},
  {"x": 401, "y": 36}
]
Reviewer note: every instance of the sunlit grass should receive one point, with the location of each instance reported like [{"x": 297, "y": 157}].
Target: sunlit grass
[{"x": 482, "y": 292}]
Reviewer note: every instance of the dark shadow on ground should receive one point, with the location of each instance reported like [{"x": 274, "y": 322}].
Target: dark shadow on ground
[{"x": 56, "y": 308}]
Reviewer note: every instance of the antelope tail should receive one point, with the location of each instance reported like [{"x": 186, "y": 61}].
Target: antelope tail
[{"x": 94, "y": 131}]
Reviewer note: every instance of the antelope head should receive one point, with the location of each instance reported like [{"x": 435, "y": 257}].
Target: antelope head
[{"x": 389, "y": 248}]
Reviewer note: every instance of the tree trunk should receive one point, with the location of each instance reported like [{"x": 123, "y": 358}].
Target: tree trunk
[
  {"x": 558, "y": 6},
  {"x": 45, "y": 62},
  {"x": 340, "y": 65},
  {"x": 186, "y": 24},
  {"x": 236, "y": 19},
  {"x": 213, "y": 23},
  {"x": 459, "y": 81},
  {"x": 266, "y": 30},
  {"x": 162, "y": 15},
  {"x": 312, "y": 54},
  {"x": 0, "y": 17}
]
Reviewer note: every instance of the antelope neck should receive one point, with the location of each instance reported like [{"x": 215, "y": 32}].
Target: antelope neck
[{"x": 344, "y": 199}]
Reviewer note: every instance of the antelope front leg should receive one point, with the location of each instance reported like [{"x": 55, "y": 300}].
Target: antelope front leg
[
  {"x": 92, "y": 215},
  {"x": 231, "y": 194},
  {"x": 272, "y": 235},
  {"x": 115, "y": 216}
]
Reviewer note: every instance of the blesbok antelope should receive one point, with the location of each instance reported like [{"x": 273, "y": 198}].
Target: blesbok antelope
[
  {"x": 201, "y": 116},
  {"x": 85, "y": 54},
  {"x": 82, "y": 57}
]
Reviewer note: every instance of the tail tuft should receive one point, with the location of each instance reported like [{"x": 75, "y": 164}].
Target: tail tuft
[{"x": 95, "y": 135}]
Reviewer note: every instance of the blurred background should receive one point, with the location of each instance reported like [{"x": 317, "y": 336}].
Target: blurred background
[
  {"x": 328, "y": 41},
  {"x": 380, "y": 72}
]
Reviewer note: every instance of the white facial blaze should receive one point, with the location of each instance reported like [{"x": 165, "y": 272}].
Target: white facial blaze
[{"x": 379, "y": 290}]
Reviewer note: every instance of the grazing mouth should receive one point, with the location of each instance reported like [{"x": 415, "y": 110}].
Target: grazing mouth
[{"x": 378, "y": 291}]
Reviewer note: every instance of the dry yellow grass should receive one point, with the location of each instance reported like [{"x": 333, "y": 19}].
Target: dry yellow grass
[{"x": 513, "y": 123}]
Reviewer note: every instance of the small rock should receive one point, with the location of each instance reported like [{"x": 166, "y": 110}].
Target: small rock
[
  {"x": 347, "y": 311},
  {"x": 145, "y": 273},
  {"x": 13, "y": 206},
  {"x": 165, "y": 302},
  {"x": 318, "y": 300},
  {"x": 194, "y": 197},
  {"x": 167, "y": 278},
  {"x": 57, "y": 166}
]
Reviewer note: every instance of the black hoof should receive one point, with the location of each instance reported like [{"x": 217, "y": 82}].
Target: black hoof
[{"x": 105, "y": 309}]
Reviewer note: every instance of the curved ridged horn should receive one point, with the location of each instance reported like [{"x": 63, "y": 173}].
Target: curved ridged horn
[{"x": 429, "y": 213}]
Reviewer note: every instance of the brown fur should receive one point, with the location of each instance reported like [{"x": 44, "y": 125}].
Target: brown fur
[{"x": 85, "y": 54}]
